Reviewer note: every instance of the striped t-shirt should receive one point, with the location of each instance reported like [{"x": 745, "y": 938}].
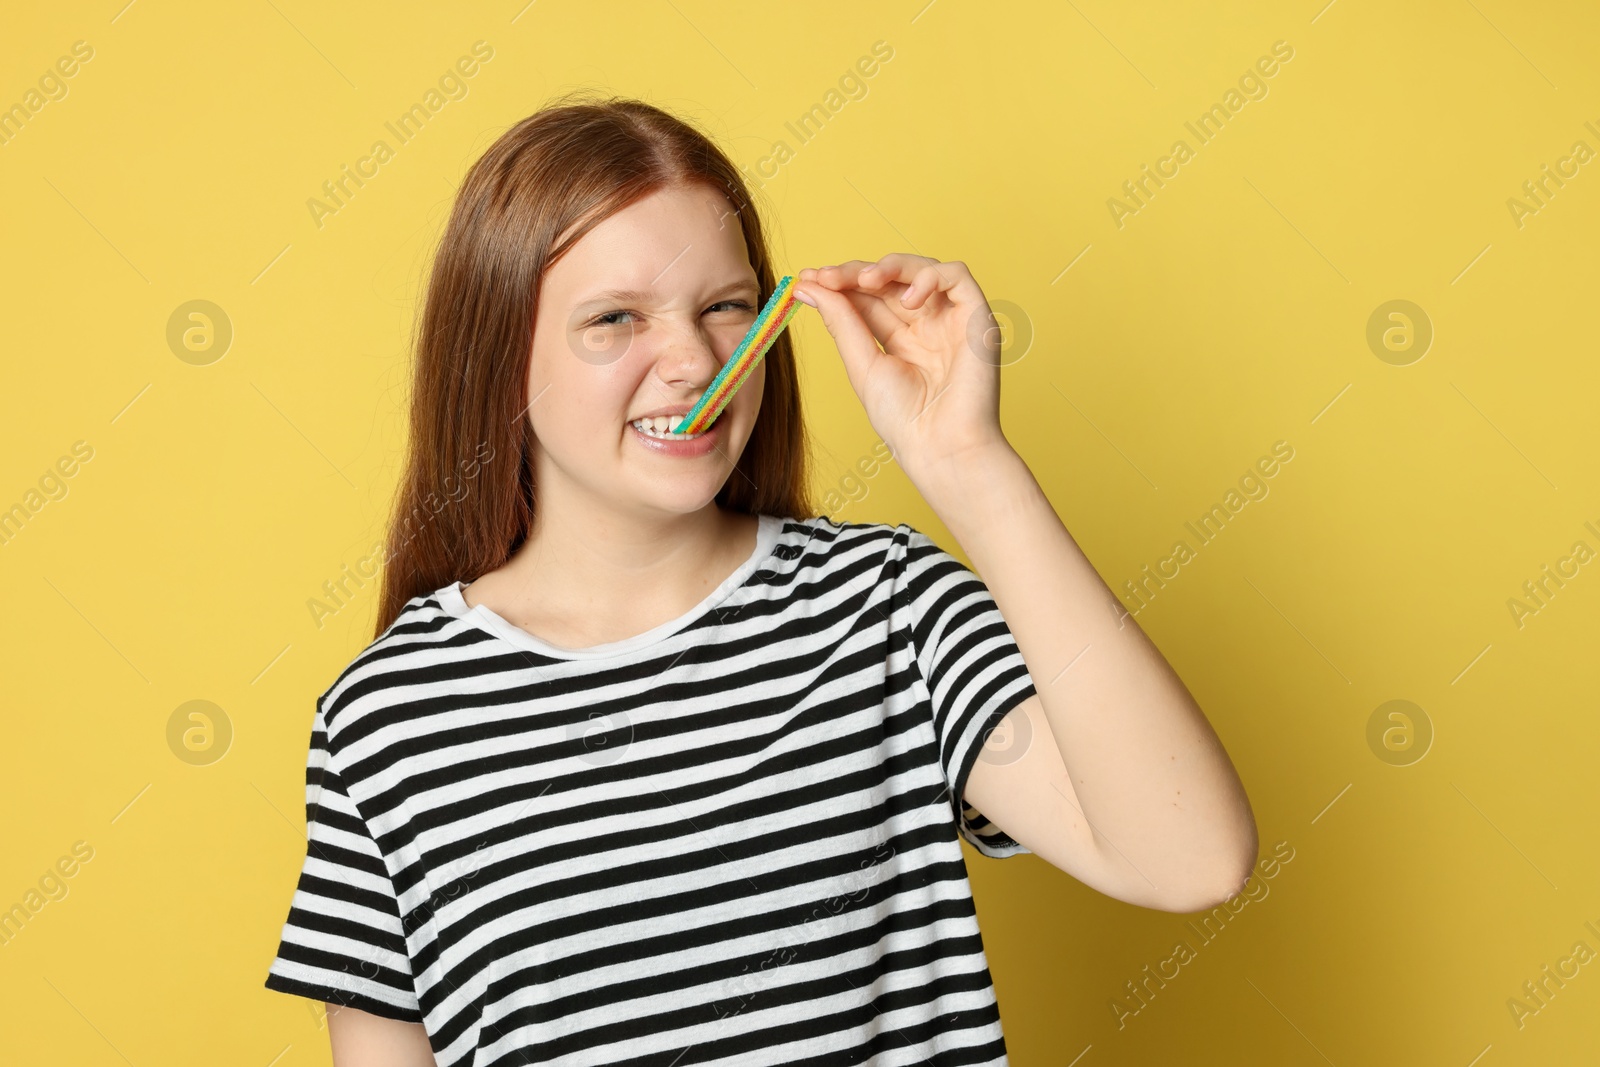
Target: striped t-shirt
[{"x": 731, "y": 839}]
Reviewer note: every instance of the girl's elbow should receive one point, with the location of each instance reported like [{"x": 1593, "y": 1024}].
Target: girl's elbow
[{"x": 1230, "y": 878}]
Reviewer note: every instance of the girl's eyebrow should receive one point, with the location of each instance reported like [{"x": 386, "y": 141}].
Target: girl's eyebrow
[{"x": 633, "y": 296}]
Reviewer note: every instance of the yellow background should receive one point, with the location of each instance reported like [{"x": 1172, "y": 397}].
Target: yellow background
[{"x": 1229, "y": 313}]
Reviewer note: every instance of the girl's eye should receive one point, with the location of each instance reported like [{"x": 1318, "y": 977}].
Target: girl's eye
[{"x": 610, "y": 319}]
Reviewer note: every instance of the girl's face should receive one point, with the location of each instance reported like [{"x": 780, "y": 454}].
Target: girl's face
[{"x": 635, "y": 321}]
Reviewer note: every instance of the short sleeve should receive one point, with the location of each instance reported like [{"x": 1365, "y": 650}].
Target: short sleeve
[
  {"x": 973, "y": 670},
  {"x": 343, "y": 942}
]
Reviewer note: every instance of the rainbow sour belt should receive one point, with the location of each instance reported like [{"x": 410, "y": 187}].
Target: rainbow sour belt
[{"x": 781, "y": 307}]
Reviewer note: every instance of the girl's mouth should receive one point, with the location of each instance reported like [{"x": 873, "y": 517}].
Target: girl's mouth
[
  {"x": 657, "y": 428},
  {"x": 653, "y": 434}
]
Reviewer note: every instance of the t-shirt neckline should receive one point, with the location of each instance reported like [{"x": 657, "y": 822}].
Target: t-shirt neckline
[{"x": 450, "y": 599}]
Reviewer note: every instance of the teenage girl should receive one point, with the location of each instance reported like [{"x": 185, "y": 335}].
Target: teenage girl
[{"x": 650, "y": 764}]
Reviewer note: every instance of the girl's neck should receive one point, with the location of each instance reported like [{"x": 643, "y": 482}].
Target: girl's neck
[{"x": 577, "y": 584}]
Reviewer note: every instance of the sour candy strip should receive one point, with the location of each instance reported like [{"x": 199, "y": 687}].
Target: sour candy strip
[{"x": 780, "y": 308}]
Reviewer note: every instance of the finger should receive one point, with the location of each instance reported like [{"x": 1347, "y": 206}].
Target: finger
[
  {"x": 924, "y": 276},
  {"x": 842, "y": 276},
  {"x": 895, "y": 268},
  {"x": 851, "y": 335},
  {"x": 864, "y": 277},
  {"x": 952, "y": 279},
  {"x": 882, "y": 314},
  {"x": 872, "y": 279},
  {"x": 875, "y": 292},
  {"x": 898, "y": 275}
]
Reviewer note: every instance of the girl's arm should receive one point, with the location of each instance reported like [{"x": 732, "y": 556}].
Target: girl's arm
[
  {"x": 1150, "y": 808},
  {"x": 361, "y": 1039},
  {"x": 1141, "y": 775}
]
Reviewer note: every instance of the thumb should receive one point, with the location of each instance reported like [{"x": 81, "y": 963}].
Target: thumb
[{"x": 857, "y": 347}]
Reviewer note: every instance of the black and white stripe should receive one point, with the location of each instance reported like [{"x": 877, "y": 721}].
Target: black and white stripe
[{"x": 729, "y": 840}]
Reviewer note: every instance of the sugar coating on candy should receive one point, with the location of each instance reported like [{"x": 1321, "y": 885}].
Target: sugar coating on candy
[{"x": 780, "y": 308}]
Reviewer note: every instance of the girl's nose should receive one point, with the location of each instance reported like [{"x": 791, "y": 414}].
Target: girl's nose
[{"x": 688, "y": 359}]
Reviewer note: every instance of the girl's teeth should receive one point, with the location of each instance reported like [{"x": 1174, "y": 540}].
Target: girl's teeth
[{"x": 657, "y": 427}]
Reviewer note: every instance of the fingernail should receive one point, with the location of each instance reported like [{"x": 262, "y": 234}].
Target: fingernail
[{"x": 804, "y": 299}]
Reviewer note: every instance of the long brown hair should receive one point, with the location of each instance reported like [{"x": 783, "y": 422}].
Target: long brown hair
[{"x": 465, "y": 501}]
